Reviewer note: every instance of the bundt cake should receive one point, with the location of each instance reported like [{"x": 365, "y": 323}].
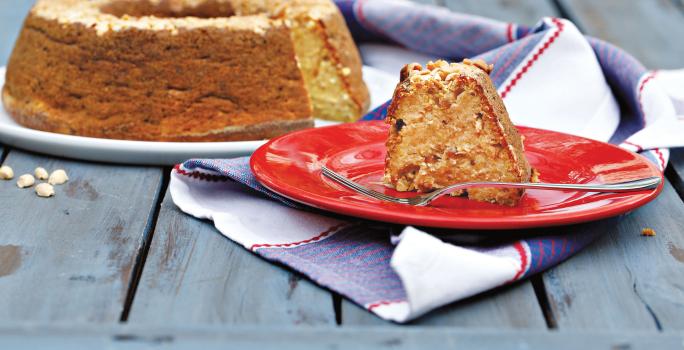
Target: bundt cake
[
  {"x": 183, "y": 70},
  {"x": 449, "y": 125}
]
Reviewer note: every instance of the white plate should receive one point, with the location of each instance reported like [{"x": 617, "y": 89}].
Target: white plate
[{"x": 380, "y": 84}]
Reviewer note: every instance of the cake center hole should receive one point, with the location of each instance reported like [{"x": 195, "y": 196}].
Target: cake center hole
[{"x": 168, "y": 9}]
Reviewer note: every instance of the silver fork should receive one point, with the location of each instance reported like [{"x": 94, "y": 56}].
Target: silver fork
[{"x": 425, "y": 199}]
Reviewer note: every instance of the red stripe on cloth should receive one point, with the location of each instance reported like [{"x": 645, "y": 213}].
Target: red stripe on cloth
[
  {"x": 657, "y": 151},
  {"x": 383, "y": 302},
  {"x": 639, "y": 148},
  {"x": 641, "y": 90},
  {"x": 523, "y": 261},
  {"x": 509, "y": 32},
  {"x": 510, "y": 59},
  {"x": 200, "y": 175},
  {"x": 565, "y": 242},
  {"x": 541, "y": 254},
  {"x": 660, "y": 157},
  {"x": 535, "y": 57},
  {"x": 320, "y": 236}
]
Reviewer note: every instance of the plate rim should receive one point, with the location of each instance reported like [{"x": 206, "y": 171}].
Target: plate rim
[{"x": 504, "y": 223}]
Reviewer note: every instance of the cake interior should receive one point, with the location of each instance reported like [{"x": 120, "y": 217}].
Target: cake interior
[
  {"x": 329, "y": 97},
  {"x": 441, "y": 135}
]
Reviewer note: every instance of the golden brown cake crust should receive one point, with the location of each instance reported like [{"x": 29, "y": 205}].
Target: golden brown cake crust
[
  {"x": 449, "y": 125},
  {"x": 86, "y": 68}
]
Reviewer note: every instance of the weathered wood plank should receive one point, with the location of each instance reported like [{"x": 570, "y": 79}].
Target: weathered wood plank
[
  {"x": 70, "y": 257},
  {"x": 291, "y": 338},
  {"x": 626, "y": 281},
  {"x": 648, "y": 29},
  {"x": 430, "y": 2},
  {"x": 676, "y": 171},
  {"x": 195, "y": 275},
  {"x": 513, "y": 307},
  {"x": 526, "y": 12},
  {"x": 628, "y": 275},
  {"x": 12, "y": 15}
]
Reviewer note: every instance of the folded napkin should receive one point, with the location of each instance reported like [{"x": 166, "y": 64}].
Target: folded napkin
[{"x": 550, "y": 76}]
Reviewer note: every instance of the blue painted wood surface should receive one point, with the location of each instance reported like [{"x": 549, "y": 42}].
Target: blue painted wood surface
[
  {"x": 71, "y": 258},
  {"x": 626, "y": 281},
  {"x": 651, "y": 30},
  {"x": 193, "y": 274},
  {"x": 291, "y": 338}
]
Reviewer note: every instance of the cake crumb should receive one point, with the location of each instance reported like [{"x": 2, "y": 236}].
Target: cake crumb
[{"x": 648, "y": 232}]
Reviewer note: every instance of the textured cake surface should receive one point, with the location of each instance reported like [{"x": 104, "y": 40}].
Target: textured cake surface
[
  {"x": 183, "y": 70},
  {"x": 449, "y": 125}
]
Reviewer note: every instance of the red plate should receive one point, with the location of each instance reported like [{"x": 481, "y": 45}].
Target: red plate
[{"x": 291, "y": 166}]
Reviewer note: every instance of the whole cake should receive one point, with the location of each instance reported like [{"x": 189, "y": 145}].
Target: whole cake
[
  {"x": 183, "y": 70},
  {"x": 449, "y": 125}
]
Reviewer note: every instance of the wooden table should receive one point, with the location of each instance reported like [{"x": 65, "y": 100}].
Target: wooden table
[{"x": 111, "y": 262}]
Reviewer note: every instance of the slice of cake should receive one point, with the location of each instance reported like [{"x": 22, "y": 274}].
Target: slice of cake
[{"x": 449, "y": 125}]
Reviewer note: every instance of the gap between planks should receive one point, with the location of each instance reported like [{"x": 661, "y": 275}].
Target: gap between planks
[
  {"x": 4, "y": 151},
  {"x": 77, "y": 249},
  {"x": 145, "y": 247},
  {"x": 195, "y": 275},
  {"x": 675, "y": 171}
]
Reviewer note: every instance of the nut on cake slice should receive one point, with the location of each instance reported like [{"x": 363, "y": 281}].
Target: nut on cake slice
[{"x": 449, "y": 125}]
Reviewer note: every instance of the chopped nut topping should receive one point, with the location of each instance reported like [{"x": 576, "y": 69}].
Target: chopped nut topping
[
  {"x": 450, "y": 77},
  {"x": 479, "y": 63},
  {"x": 437, "y": 64},
  {"x": 408, "y": 69}
]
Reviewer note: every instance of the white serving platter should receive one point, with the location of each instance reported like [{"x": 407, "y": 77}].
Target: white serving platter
[{"x": 380, "y": 84}]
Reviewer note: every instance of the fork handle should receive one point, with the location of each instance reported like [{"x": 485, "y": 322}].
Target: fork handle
[{"x": 627, "y": 186}]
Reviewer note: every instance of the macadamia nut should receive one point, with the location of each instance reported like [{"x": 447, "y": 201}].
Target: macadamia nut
[
  {"x": 58, "y": 177},
  {"x": 6, "y": 173},
  {"x": 45, "y": 190},
  {"x": 26, "y": 180},
  {"x": 41, "y": 173}
]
